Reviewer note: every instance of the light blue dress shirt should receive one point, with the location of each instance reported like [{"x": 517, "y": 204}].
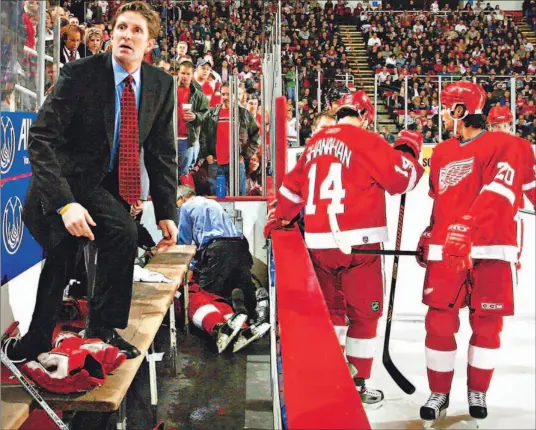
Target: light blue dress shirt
[
  {"x": 119, "y": 76},
  {"x": 202, "y": 220}
]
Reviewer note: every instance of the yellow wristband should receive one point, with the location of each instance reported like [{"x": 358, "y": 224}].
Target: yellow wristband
[{"x": 64, "y": 209}]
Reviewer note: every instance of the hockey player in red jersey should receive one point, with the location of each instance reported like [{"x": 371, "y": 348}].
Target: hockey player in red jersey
[
  {"x": 470, "y": 248},
  {"x": 213, "y": 314},
  {"x": 341, "y": 180},
  {"x": 500, "y": 118}
]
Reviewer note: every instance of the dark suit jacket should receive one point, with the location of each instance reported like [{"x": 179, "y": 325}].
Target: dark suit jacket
[{"x": 71, "y": 140}]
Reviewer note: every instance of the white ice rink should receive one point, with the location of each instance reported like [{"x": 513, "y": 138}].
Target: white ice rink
[{"x": 511, "y": 398}]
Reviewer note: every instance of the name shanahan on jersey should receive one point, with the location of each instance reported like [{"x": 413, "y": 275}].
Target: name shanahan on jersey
[
  {"x": 340, "y": 180},
  {"x": 485, "y": 177}
]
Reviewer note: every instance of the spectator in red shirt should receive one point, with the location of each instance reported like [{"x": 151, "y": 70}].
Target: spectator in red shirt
[{"x": 191, "y": 106}]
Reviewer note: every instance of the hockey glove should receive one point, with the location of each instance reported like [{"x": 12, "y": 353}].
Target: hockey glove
[
  {"x": 410, "y": 139},
  {"x": 273, "y": 223},
  {"x": 108, "y": 355},
  {"x": 66, "y": 371},
  {"x": 423, "y": 248},
  {"x": 458, "y": 244}
]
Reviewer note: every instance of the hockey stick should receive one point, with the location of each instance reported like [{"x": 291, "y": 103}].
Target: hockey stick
[
  {"x": 400, "y": 379},
  {"x": 32, "y": 391},
  {"x": 527, "y": 211},
  {"x": 384, "y": 252}
]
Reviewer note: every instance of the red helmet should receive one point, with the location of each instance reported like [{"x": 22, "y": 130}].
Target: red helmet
[
  {"x": 471, "y": 96},
  {"x": 359, "y": 101},
  {"x": 500, "y": 115}
]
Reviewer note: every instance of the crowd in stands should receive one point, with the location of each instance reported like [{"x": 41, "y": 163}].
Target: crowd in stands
[{"x": 477, "y": 42}]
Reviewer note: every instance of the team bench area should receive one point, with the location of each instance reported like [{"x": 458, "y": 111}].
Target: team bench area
[{"x": 150, "y": 303}]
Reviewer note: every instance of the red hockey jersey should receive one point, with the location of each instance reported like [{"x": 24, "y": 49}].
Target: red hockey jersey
[
  {"x": 485, "y": 177},
  {"x": 341, "y": 179}
]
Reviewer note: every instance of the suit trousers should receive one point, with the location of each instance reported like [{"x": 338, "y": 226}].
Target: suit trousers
[{"x": 116, "y": 240}]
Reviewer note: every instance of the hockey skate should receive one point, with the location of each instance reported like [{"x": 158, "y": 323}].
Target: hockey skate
[
  {"x": 237, "y": 298},
  {"x": 262, "y": 309},
  {"x": 371, "y": 398},
  {"x": 225, "y": 333},
  {"x": 434, "y": 408},
  {"x": 477, "y": 405},
  {"x": 250, "y": 335}
]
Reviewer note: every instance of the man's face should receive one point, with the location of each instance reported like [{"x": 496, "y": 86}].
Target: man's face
[
  {"x": 73, "y": 41},
  {"x": 73, "y": 20},
  {"x": 182, "y": 49},
  {"x": 225, "y": 97},
  {"x": 185, "y": 76},
  {"x": 130, "y": 40},
  {"x": 323, "y": 123},
  {"x": 252, "y": 106},
  {"x": 52, "y": 72},
  {"x": 203, "y": 71}
]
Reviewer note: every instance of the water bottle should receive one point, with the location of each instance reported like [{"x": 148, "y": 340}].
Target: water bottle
[{"x": 221, "y": 188}]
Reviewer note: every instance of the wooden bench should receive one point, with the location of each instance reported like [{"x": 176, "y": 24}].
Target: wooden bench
[{"x": 150, "y": 303}]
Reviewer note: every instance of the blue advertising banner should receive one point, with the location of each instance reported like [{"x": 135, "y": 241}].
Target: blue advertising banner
[{"x": 19, "y": 249}]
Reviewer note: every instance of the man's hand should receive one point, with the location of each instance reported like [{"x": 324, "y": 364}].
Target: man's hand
[
  {"x": 210, "y": 159},
  {"x": 77, "y": 221},
  {"x": 188, "y": 116},
  {"x": 136, "y": 208},
  {"x": 458, "y": 244},
  {"x": 169, "y": 230}
]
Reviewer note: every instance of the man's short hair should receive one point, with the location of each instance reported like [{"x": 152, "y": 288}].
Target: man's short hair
[
  {"x": 152, "y": 18},
  {"x": 187, "y": 63},
  {"x": 184, "y": 58},
  {"x": 318, "y": 118},
  {"x": 184, "y": 191},
  {"x": 6, "y": 92}
]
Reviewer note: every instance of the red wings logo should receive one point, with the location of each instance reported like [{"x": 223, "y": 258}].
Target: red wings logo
[{"x": 452, "y": 174}]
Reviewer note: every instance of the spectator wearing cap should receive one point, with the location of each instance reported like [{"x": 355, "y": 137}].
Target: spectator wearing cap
[
  {"x": 201, "y": 76},
  {"x": 215, "y": 139},
  {"x": 192, "y": 105}
]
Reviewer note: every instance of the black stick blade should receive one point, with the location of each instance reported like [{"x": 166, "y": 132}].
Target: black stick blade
[{"x": 406, "y": 386}]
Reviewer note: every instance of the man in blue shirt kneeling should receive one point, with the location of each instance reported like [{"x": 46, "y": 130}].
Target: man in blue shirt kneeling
[{"x": 223, "y": 258}]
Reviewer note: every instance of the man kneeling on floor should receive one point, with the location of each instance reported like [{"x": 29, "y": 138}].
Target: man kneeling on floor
[{"x": 223, "y": 268}]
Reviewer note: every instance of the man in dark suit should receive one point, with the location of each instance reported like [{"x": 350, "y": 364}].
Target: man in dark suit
[{"x": 102, "y": 111}]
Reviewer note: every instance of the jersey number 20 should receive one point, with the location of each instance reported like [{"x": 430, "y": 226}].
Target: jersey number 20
[{"x": 330, "y": 188}]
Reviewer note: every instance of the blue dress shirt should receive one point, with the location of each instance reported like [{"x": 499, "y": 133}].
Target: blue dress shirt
[
  {"x": 119, "y": 76},
  {"x": 202, "y": 220}
]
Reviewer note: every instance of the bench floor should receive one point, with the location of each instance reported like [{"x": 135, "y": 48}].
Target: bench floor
[{"x": 227, "y": 391}]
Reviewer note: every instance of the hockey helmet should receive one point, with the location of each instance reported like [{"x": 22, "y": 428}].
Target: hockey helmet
[
  {"x": 500, "y": 115},
  {"x": 471, "y": 96},
  {"x": 360, "y": 102},
  {"x": 336, "y": 92}
]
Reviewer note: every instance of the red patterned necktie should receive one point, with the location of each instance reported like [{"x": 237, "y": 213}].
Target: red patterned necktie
[{"x": 129, "y": 147}]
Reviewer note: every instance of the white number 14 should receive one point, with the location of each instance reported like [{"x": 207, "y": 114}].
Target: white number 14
[{"x": 331, "y": 188}]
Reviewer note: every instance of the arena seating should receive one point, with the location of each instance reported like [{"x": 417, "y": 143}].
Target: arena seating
[{"x": 454, "y": 46}]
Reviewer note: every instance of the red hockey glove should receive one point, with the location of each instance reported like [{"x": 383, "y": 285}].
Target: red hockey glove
[
  {"x": 273, "y": 223},
  {"x": 412, "y": 139},
  {"x": 423, "y": 247},
  {"x": 458, "y": 244},
  {"x": 108, "y": 355},
  {"x": 66, "y": 371}
]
